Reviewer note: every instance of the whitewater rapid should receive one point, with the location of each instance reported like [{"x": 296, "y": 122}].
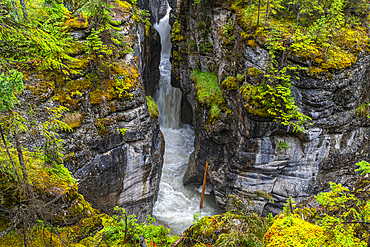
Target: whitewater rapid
[{"x": 176, "y": 204}]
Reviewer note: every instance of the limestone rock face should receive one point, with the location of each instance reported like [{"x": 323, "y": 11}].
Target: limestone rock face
[
  {"x": 247, "y": 152},
  {"x": 116, "y": 152}
]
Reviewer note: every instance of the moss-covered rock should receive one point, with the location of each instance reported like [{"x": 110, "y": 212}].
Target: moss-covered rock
[
  {"x": 293, "y": 231},
  {"x": 209, "y": 92},
  {"x": 228, "y": 229},
  {"x": 230, "y": 83}
]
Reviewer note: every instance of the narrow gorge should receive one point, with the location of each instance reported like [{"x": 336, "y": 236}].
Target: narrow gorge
[
  {"x": 113, "y": 108},
  {"x": 176, "y": 203}
]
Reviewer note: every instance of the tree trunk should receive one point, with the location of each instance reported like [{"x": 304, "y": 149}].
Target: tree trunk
[
  {"x": 10, "y": 157},
  {"x": 30, "y": 194},
  {"x": 258, "y": 17},
  {"x": 15, "y": 10},
  {"x": 267, "y": 12},
  {"x": 24, "y": 9}
]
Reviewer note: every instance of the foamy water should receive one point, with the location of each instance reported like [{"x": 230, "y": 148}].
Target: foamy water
[{"x": 176, "y": 203}]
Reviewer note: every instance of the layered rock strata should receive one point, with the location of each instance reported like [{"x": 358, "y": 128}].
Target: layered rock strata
[
  {"x": 246, "y": 151},
  {"x": 116, "y": 149}
]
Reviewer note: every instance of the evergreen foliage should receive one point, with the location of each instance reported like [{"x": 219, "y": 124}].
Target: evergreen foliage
[
  {"x": 341, "y": 218},
  {"x": 10, "y": 84},
  {"x": 122, "y": 229},
  {"x": 330, "y": 34},
  {"x": 41, "y": 43}
]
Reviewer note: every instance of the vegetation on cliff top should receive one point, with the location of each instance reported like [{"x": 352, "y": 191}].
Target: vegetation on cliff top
[
  {"x": 40, "y": 204},
  {"x": 39, "y": 43},
  {"x": 324, "y": 36},
  {"x": 330, "y": 34}
]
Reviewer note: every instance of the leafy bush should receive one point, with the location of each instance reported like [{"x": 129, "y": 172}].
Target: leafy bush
[
  {"x": 123, "y": 229},
  {"x": 283, "y": 144},
  {"x": 342, "y": 218},
  {"x": 10, "y": 84}
]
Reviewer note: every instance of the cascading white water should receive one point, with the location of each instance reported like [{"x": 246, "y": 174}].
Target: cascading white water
[
  {"x": 176, "y": 203},
  {"x": 169, "y": 98}
]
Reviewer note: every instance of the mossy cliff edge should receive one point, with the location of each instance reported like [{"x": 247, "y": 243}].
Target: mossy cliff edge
[
  {"x": 95, "y": 61},
  {"x": 291, "y": 115}
]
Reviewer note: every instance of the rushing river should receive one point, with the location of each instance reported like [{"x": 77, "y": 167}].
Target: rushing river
[{"x": 176, "y": 203}]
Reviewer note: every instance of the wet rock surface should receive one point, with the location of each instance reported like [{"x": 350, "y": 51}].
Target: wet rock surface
[{"x": 248, "y": 152}]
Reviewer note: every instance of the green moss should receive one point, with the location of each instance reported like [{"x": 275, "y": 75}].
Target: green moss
[
  {"x": 68, "y": 91},
  {"x": 152, "y": 107},
  {"x": 77, "y": 22},
  {"x": 240, "y": 78},
  {"x": 101, "y": 125},
  {"x": 127, "y": 78},
  {"x": 293, "y": 231},
  {"x": 79, "y": 64},
  {"x": 209, "y": 92},
  {"x": 96, "y": 97},
  {"x": 363, "y": 109},
  {"x": 254, "y": 72},
  {"x": 230, "y": 83}
]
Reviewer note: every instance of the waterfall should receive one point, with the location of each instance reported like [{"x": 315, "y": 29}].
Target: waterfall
[
  {"x": 169, "y": 98},
  {"x": 176, "y": 203}
]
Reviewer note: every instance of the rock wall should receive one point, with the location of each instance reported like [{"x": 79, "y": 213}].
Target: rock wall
[
  {"x": 243, "y": 149},
  {"x": 113, "y": 168}
]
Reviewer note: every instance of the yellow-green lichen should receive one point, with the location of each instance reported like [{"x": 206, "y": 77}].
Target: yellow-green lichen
[
  {"x": 253, "y": 71},
  {"x": 73, "y": 120},
  {"x": 230, "y": 83}
]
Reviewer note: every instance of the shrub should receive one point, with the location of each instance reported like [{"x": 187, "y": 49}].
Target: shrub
[
  {"x": 341, "y": 218},
  {"x": 123, "y": 229}
]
